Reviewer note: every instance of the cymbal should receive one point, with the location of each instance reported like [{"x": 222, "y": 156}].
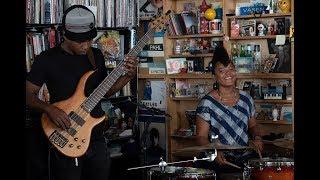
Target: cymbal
[{"x": 211, "y": 147}]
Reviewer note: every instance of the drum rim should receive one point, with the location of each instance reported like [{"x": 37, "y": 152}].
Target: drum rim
[
  {"x": 267, "y": 161},
  {"x": 205, "y": 172}
]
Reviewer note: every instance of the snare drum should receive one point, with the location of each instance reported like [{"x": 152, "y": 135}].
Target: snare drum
[
  {"x": 180, "y": 173},
  {"x": 269, "y": 168}
]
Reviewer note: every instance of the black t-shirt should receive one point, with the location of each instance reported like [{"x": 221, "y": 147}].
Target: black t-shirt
[{"x": 61, "y": 72}]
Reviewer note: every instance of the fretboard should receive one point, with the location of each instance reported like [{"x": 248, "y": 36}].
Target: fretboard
[{"x": 108, "y": 82}]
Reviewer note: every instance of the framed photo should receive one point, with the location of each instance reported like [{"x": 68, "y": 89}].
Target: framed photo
[
  {"x": 176, "y": 65},
  {"x": 247, "y": 27}
]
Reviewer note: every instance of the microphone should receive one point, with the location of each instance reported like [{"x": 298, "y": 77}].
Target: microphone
[{"x": 132, "y": 99}]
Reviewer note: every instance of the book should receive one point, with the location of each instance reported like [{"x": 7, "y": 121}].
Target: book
[
  {"x": 109, "y": 44},
  {"x": 283, "y": 55},
  {"x": 234, "y": 28},
  {"x": 189, "y": 22},
  {"x": 182, "y": 88},
  {"x": 154, "y": 94},
  {"x": 286, "y": 113}
]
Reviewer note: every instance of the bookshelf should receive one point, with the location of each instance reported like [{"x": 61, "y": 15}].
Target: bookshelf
[
  {"x": 264, "y": 75},
  {"x": 190, "y": 55},
  {"x": 256, "y": 37},
  {"x": 176, "y": 106},
  {"x": 281, "y": 126},
  {"x": 260, "y": 16},
  {"x": 195, "y": 36}
]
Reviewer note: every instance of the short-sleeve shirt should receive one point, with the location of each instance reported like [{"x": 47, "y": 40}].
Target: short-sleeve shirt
[
  {"x": 61, "y": 72},
  {"x": 230, "y": 123}
]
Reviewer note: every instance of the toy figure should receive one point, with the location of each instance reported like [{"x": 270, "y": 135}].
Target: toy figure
[
  {"x": 205, "y": 46},
  {"x": 261, "y": 28},
  {"x": 192, "y": 46},
  {"x": 284, "y": 6},
  {"x": 251, "y": 31}
]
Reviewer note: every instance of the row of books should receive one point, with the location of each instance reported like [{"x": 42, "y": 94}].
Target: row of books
[
  {"x": 36, "y": 42},
  {"x": 44, "y": 11},
  {"x": 182, "y": 24},
  {"x": 108, "y": 13},
  {"x": 111, "y": 13}
]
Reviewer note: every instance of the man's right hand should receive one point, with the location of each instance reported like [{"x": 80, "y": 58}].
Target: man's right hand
[
  {"x": 58, "y": 117},
  {"x": 220, "y": 159}
]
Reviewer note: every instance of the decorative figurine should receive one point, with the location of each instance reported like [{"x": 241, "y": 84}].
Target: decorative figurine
[
  {"x": 261, "y": 28},
  {"x": 284, "y": 6},
  {"x": 275, "y": 114}
]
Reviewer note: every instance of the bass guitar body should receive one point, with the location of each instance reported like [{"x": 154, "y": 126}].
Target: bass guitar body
[{"x": 73, "y": 142}]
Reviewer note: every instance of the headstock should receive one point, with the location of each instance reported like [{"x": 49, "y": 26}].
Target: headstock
[{"x": 159, "y": 23}]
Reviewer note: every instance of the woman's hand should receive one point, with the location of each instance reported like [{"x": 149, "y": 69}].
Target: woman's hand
[
  {"x": 220, "y": 159},
  {"x": 257, "y": 144}
]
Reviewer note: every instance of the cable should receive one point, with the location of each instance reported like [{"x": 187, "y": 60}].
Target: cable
[{"x": 49, "y": 167}]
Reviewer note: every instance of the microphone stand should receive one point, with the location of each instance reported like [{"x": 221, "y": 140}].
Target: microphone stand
[{"x": 152, "y": 112}]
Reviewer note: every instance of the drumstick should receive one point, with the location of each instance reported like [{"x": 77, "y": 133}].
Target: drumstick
[
  {"x": 257, "y": 149},
  {"x": 233, "y": 165},
  {"x": 259, "y": 152}
]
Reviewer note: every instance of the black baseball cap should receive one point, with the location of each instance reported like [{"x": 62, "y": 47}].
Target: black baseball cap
[{"x": 79, "y": 24}]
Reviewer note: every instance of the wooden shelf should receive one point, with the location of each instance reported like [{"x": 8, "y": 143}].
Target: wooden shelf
[
  {"x": 264, "y": 75},
  {"x": 255, "y": 37},
  {"x": 260, "y": 16},
  {"x": 151, "y": 76},
  {"x": 176, "y": 76},
  {"x": 182, "y": 137},
  {"x": 146, "y": 18},
  {"x": 185, "y": 99},
  {"x": 279, "y": 122},
  {"x": 190, "y": 76},
  {"x": 196, "y": 36},
  {"x": 274, "y": 101},
  {"x": 190, "y": 55}
]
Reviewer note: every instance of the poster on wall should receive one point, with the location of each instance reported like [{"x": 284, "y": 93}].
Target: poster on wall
[
  {"x": 283, "y": 55},
  {"x": 154, "y": 94}
]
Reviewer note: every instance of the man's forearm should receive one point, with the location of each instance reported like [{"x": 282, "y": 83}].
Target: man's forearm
[
  {"x": 35, "y": 103},
  {"x": 122, "y": 81}
]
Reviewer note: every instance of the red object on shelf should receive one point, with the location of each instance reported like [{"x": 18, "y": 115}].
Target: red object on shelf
[{"x": 204, "y": 23}]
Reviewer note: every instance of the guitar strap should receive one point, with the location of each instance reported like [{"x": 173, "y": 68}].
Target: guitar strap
[{"x": 91, "y": 58}]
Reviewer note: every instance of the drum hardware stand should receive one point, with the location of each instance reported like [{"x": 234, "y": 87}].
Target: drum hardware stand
[
  {"x": 163, "y": 164},
  {"x": 246, "y": 171}
]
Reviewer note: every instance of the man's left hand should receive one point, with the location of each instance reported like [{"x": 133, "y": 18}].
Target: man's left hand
[{"x": 130, "y": 65}]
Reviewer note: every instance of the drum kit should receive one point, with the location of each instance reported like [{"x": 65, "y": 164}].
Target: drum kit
[{"x": 255, "y": 169}]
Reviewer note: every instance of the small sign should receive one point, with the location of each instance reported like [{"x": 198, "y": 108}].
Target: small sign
[
  {"x": 156, "y": 70},
  {"x": 280, "y": 39}
]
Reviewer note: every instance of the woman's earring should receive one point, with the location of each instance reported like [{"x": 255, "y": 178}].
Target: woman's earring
[{"x": 215, "y": 85}]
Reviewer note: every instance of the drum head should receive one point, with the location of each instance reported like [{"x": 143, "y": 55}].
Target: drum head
[
  {"x": 189, "y": 172},
  {"x": 167, "y": 170},
  {"x": 182, "y": 172}
]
